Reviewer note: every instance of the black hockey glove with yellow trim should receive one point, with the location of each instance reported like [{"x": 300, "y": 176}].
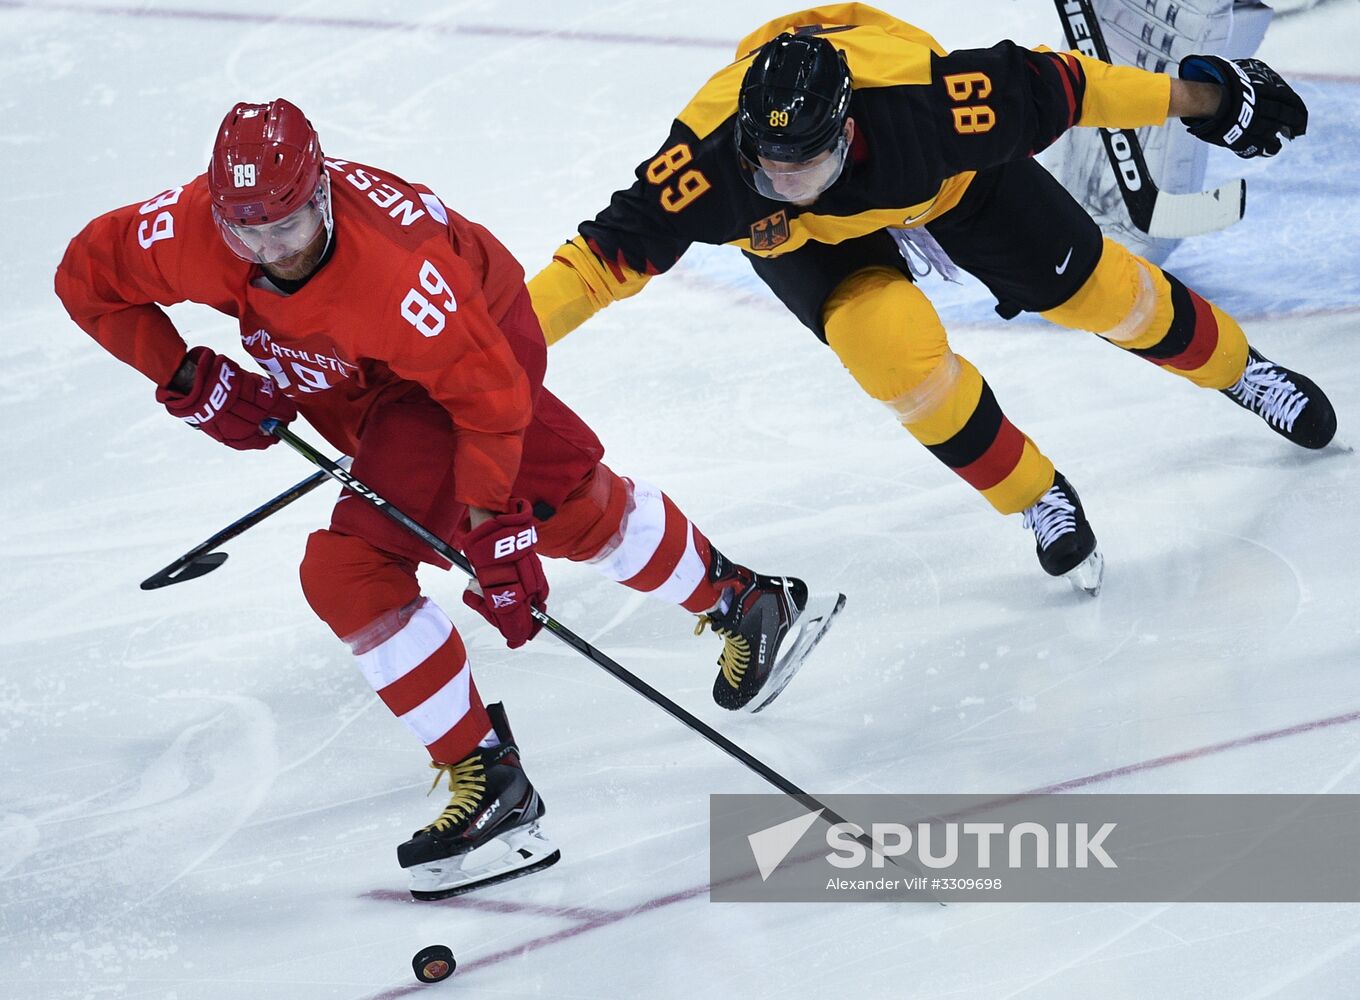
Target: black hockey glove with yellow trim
[{"x": 1257, "y": 111}]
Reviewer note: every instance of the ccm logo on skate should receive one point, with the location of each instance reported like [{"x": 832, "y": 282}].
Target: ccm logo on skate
[
  {"x": 491, "y": 811},
  {"x": 216, "y": 399},
  {"x": 511, "y": 544}
]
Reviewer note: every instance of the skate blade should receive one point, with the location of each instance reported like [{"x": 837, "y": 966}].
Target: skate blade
[
  {"x": 1087, "y": 576},
  {"x": 811, "y": 625},
  {"x": 516, "y": 853}
]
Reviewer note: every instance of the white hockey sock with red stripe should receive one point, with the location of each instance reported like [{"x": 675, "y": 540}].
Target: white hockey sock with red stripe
[
  {"x": 658, "y": 551},
  {"x": 416, "y": 662}
]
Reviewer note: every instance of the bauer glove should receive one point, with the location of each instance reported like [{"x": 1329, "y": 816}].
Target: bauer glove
[
  {"x": 502, "y": 554},
  {"x": 1258, "y": 108},
  {"x": 228, "y": 404}
]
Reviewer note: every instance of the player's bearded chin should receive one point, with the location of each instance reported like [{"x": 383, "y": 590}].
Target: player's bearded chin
[
  {"x": 290, "y": 247},
  {"x": 302, "y": 263}
]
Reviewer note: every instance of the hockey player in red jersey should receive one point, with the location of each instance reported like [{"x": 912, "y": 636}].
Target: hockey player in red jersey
[
  {"x": 404, "y": 334},
  {"x": 841, "y": 140}
]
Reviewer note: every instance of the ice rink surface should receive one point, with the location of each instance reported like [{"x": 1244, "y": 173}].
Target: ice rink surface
[{"x": 199, "y": 795}]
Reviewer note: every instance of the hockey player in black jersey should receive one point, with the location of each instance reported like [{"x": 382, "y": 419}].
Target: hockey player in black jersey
[{"x": 841, "y": 139}]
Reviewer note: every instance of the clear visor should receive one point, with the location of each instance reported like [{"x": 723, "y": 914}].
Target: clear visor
[
  {"x": 799, "y": 183},
  {"x": 271, "y": 242}
]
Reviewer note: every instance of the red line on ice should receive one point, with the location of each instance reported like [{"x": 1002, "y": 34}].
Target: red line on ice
[
  {"x": 1198, "y": 752},
  {"x": 492, "y": 905}
]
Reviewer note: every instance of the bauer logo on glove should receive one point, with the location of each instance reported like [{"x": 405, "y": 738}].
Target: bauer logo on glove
[
  {"x": 1258, "y": 109},
  {"x": 511, "y": 544},
  {"x": 226, "y": 403},
  {"x": 509, "y": 575},
  {"x": 217, "y": 398}
]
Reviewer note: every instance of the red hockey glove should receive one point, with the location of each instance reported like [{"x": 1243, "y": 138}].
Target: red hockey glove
[
  {"x": 227, "y": 403},
  {"x": 502, "y": 554}
]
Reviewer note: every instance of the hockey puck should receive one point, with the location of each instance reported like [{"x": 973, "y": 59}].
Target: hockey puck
[{"x": 434, "y": 963}]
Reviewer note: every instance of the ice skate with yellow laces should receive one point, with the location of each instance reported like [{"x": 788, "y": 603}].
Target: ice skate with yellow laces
[
  {"x": 488, "y": 832},
  {"x": 769, "y": 625}
]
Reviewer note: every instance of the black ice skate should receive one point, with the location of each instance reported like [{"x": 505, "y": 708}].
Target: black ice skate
[
  {"x": 1063, "y": 538},
  {"x": 769, "y": 628},
  {"x": 1290, "y": 404},
  {"x": 488, "y": 832}
]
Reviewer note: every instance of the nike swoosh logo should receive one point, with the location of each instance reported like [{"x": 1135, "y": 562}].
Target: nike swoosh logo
[{"x": 1063, "y": 266}]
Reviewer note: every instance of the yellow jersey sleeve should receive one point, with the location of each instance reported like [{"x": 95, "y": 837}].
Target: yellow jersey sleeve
[
  {"x": 1122, "y": 96},
  {"x": 576, "y": 285}
]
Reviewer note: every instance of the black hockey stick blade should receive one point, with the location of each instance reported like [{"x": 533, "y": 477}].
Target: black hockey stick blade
[
  {"x": 179, "y": 571},
  {"x": 1158, "y": 213},
  {"x": 201, "y": 559}
]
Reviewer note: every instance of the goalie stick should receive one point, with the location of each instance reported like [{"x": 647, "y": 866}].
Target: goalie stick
[
  {"x": 1160, "y": 214},
  {"x": 566, "y": 635}
]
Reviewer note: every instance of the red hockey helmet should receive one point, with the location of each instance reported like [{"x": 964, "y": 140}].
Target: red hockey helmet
[{"x": 267, "y": 181}]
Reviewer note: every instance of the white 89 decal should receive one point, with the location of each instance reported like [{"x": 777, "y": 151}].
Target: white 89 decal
[
  {"x": 420, "y": 312},
  {"x": 162, "y": 225},
  {"x": 308, "y": 379}
]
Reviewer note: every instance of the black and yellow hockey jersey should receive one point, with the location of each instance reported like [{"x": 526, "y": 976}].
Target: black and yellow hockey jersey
[{"x": 926, "y": 121}]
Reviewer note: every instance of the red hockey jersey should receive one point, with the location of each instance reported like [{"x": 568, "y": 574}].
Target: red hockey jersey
[{"x": 412, "y": 293}]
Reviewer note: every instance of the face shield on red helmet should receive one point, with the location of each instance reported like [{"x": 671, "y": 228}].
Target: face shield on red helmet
[{"x": 267, "y": 179}]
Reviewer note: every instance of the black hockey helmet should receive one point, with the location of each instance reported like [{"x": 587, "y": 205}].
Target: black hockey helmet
[{"x": 794, "y": 99}]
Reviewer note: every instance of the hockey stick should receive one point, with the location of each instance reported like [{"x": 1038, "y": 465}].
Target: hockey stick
[
  {"x": 566, "y": 635},
  {"x": 201, "y": 559},
  {"x": 1160, "y": 214}
]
